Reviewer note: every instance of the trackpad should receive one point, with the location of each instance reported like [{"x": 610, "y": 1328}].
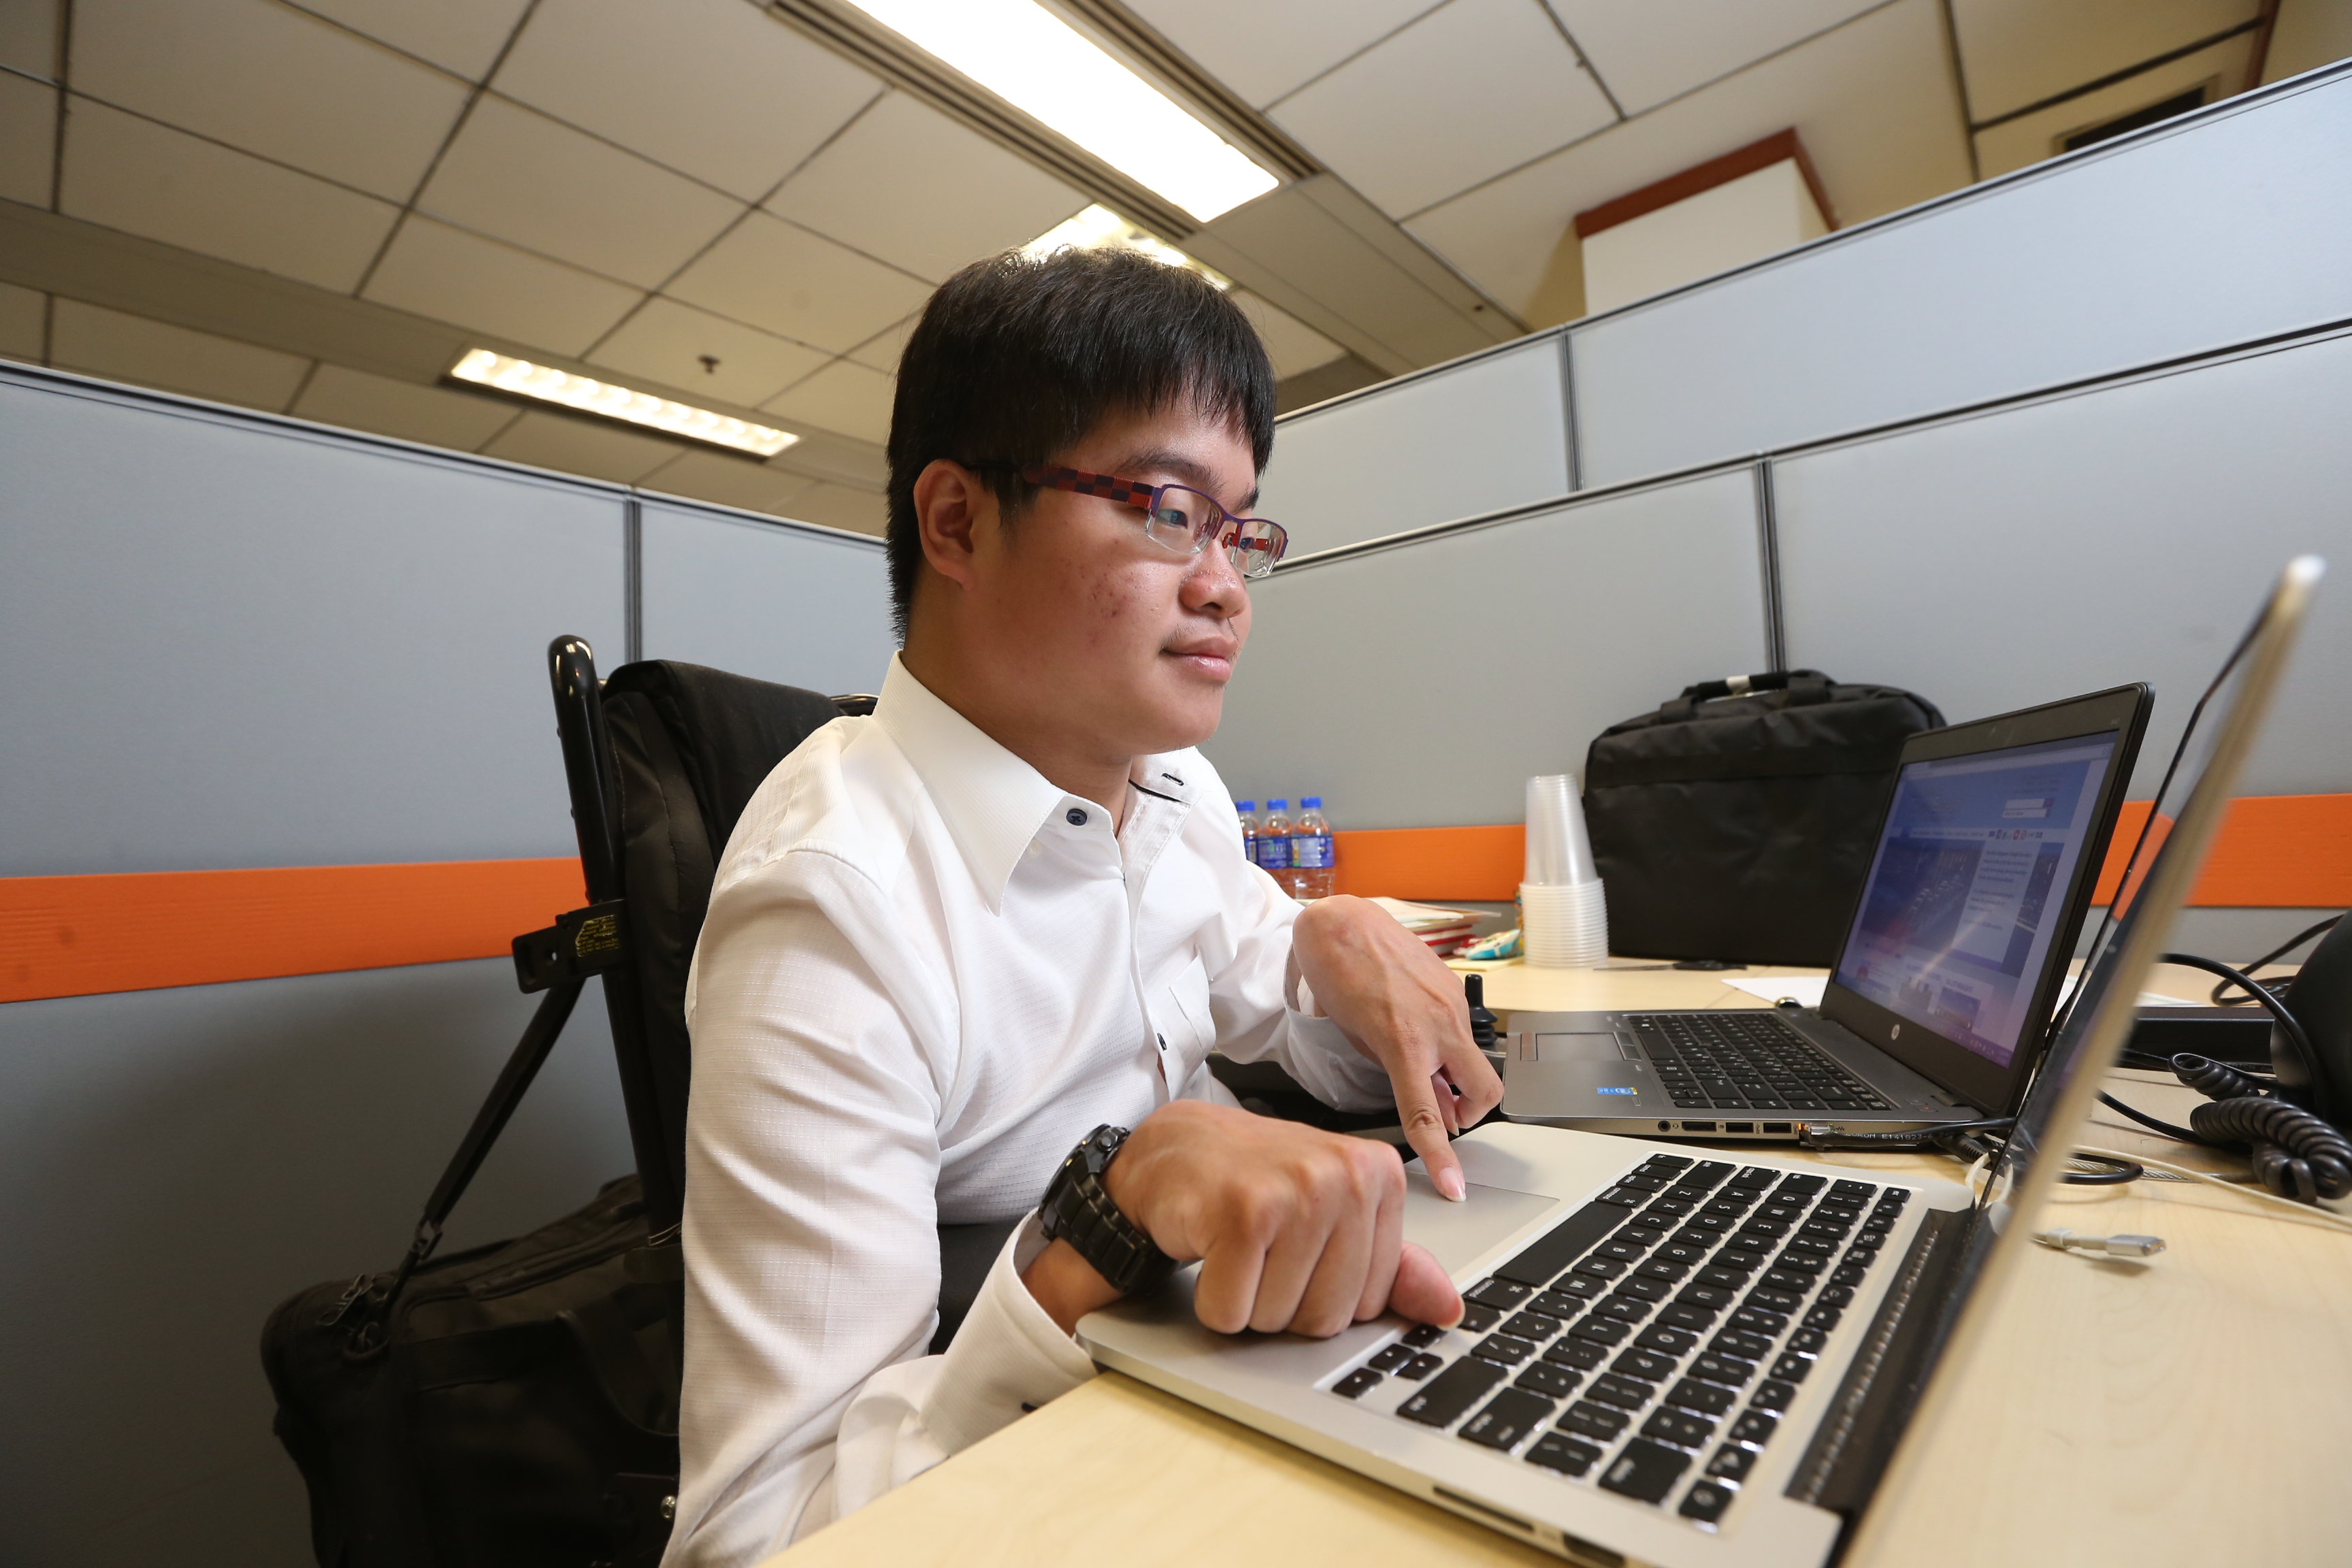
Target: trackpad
[
  {"x": 1458, "y": 1234},
  {"x": 1578, "y": 1048}
]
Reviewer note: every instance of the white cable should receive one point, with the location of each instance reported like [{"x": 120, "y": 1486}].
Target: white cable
[{"x": 2306, "y": 1212}]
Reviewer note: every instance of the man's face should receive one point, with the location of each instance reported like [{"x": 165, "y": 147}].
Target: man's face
[{"x": 1087, "y": 625}]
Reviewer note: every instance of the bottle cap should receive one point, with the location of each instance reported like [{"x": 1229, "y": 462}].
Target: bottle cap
[
  {"x": 1311, "y": 802},
  {"x": 1244, "y": 805},
  {"x": 1274, "y": 805}
]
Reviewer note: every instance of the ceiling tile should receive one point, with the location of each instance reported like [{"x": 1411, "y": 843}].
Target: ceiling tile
[
  {"x": 147, "y": 179},
  {"x": 523, "y": 177},
  {"x": 2016, "y": 52},
  {"x": 717, "y": 88},
  {"x": 910, "y": 185},
  {"x": 436, "y": 416},
  {"x": 728, "y": 481},
  {"x": 773, "y": 275},
  {"x": 1648, "y": 53},
  {"x": 271, "y": 80},
  {"x": 839, "y": 505},
  {"x": 881, "y": 351},
  {"x": 1290, "y": 343},
  {"x": 20, "y": 321},
  {"x": 1873, "y": 101},
  {"x": 665, "y": 343},
  {"x": 469, "y": 281},
  {"x": 28, "y": 127},
  {"x": 571, "y": 445},
  {"x": 460, "y": 36},
  {"x": 105, "y": 343},
  {"x": 2034, "y": 137},
  {"x": 1396, "y": 123},
  {"x": 28, "y": 36},
  {"x": 844, "y": 398},
  {"x": 1263, "y": 49}
]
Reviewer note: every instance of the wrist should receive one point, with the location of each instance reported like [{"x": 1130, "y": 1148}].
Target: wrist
[{"x": 1065, "y": 1285}]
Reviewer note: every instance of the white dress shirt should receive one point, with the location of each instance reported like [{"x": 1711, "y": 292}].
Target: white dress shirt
[{"x": 926, "y": 975}]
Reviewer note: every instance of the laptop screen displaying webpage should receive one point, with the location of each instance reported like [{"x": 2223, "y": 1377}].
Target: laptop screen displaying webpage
[{"x": 1960, "y": 906}]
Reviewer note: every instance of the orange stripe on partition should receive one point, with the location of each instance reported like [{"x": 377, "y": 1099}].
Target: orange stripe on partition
[
  {"x": 1483, "y": 864},
  {"x": 80, "y": 936}
]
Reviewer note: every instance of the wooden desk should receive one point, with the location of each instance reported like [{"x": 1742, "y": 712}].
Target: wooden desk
[{"x": 2188, "y": 1409}]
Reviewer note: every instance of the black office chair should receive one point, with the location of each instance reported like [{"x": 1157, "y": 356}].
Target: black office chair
[{"x": 661, "y": 758}]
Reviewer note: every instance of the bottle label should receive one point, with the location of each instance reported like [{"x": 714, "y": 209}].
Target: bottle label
[
  {"x": 1271, "y": 851},
  {"x": 1313, "y": 850}
]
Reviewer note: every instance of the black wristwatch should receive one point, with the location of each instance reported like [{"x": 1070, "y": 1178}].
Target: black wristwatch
[{"x": 1078, "y": 1210}]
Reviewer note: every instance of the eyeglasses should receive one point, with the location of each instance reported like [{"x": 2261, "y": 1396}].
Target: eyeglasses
[{"x": 1175, "y": 517}]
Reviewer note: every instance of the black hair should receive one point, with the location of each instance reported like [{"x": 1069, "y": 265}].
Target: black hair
[{"x": 1018, "y": 356}]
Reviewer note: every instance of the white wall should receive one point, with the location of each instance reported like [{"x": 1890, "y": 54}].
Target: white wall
[{"x": 1757, "y": 215}]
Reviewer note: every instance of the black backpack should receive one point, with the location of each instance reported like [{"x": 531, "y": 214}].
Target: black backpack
[
  {"x": 516, "y": 1404},
  {"x": 1737, "y": 822}
]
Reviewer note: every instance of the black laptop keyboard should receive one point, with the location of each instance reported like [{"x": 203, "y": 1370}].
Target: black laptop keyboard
[
  {"x": 1746, "y": 1060},
  {"x": 1650, "y": 1342}
]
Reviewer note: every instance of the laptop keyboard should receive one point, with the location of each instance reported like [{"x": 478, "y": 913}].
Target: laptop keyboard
[
  {"x": 1650, "y": 1342},
  {"x": 1746, "y": 1060}
]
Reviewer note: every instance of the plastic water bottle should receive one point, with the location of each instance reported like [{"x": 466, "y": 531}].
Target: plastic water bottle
[
  {"x": 1273, "y": 844},
  {"x": 1314, "y": 859},
  {"x": 1247, "y": 809}
]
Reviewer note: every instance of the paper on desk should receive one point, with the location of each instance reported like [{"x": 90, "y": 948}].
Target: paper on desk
[{"x": 1807, "y": 989}]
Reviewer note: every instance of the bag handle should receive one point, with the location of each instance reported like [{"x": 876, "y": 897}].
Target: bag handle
[{"x": 1804, "y": 687}]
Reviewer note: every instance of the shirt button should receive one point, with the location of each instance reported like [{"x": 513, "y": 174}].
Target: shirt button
[{"x": 1077, "y": 818}]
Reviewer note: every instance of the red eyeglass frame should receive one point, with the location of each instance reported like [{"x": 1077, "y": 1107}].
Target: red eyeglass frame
[{"x": 1146, "y": 499}]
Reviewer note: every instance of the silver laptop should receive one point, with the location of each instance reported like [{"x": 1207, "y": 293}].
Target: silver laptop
[
  {"x": 1672, "y": 1358},
  {"x": 1953, "y": 959}
]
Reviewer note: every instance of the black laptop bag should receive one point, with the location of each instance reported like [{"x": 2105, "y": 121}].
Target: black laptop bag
[{"x": 1737, "y": 822}]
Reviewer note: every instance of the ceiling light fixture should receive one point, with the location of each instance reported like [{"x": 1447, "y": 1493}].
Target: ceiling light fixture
[
  {"x": 1098, "y": 226},
  {"x": 1049, "y": 70},
  {"x": 505, "y": 374}
]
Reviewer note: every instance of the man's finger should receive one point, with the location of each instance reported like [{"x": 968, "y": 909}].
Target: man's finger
[
  {"x": 1423, "y": 1292},
  {"x": 1227, "y": 1287},
  {"x": 1425, "y": 1129}
]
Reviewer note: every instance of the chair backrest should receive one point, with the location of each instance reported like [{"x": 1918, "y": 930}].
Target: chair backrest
[{"x": 689, "y": 746}]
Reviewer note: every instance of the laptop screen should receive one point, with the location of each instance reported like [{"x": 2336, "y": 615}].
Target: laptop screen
[{"x": 1959, "y": 911}]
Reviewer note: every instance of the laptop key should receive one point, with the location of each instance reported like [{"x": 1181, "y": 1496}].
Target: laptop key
[
  {"x": 1477, "y": 1320},
  {"x": 1568, "y": 1456},
  {"x": 1451, "y": 1392},
  {"x": 1534, "y": 1327},
  {"x": 1552, "y": 1304},
  {"x": 1703, "y": 1397},
  {"x": 1680, "y": 1427},
  {"x": 1390, "y": 1359},
  {"x": 1774, "y": 1394},
  {"x": 1355, "y": 1383},
  {"x": 1715, "y": 1274},
  {"x": 1837, "y": 1296},
  {"x": 1594, "y": 1420},
  {"x": 1501, "y": 1294},
  {"x": 1791, "y": 1368},
  {"x": 1705, "y": 1502},
  {"x": 1600, "y": 1330},
  {"x": 1849, "y": 1274},
  {"x": 1420, "y": 1336},
  {"x": 1670, "y": 1269},
  {"x": 1508, "y": 1419},
  {"x": 1773, "y": 1299},
  {"x": 1809, "y": 1341},
  {"x": 1730, "y": 1370},
  {"x": 1420, "y": 1366},
  {"x": 1755, "y": 1427},
  {"x": 1551, "y": 1381},
  {"x": 1763, "y": 1321},
  {"x": 1640, "y": 1289},
  {"x": 1645, "y": 1364},
  {"x": 1681, "y": 1315},
  {"x": 1600, "y": 1268},
  {"x": 1505, "y": 1349},
  {"x": 1624, "y": 1308},
  {"x": 1631, "y": 1392},
  {"x": 1581, "y": 1354},
  {"x": 1823, "y": 1318},
  {"x": 1645, "y": 1471},
  {"x": 1731, "y": 1463},
  {"x": 1665, "y": 1341}
]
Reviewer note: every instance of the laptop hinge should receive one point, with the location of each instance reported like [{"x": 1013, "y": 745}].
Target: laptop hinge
[{"x": 1857, "y": 1435}]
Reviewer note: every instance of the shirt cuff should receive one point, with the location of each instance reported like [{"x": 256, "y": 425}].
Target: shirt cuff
[
  {"x": 1331, "y": 1069},
  {"x": 1007, "y": 1358}
]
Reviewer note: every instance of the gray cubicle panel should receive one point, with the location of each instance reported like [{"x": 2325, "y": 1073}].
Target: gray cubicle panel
[
  {"x": 1419, "y": 685},
  {"x": 2218, "y": 229},
  {"x": 2059, "y": 546},
  {"x": 1477, "y": 435},
  {"x": 235, "y": 641},
  {"x": 793, "y": 603}
]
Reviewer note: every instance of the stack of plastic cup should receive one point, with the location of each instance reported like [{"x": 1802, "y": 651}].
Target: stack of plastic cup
[{"x": 1563, "y": 919}]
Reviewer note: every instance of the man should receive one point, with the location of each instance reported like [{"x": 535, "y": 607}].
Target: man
[{"x": 947, "y": 940}]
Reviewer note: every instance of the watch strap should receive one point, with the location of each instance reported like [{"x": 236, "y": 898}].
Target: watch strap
[{"x": 1079, "y": 1209}]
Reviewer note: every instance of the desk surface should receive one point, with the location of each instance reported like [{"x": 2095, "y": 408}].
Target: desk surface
[{"x": 2190, "y": 1408}]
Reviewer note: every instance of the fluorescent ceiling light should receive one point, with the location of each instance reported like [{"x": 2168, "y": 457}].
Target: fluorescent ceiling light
[
  {"x": 1043, "y": 66},
  {"x": 1099, "y": 226},
  {"x": 590, "y": 395}
]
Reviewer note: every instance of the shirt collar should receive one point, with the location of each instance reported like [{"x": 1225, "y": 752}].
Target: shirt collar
[{"x": 993, "y": 804}]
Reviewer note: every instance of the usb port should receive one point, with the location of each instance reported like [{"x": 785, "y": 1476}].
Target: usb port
[
  {"x": 1699, "y": 1126},
  {"x": 1739, "y": 1126},
  {"x": 1778, "y": 1127}
]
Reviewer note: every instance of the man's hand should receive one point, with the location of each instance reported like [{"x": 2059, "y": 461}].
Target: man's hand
[
  {"x": 1400, "y": 1006},
  {"x": 1296, "y": 1229}
]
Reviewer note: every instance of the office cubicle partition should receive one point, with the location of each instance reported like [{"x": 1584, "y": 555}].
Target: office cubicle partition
[{"x": 239, "y": 643}]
